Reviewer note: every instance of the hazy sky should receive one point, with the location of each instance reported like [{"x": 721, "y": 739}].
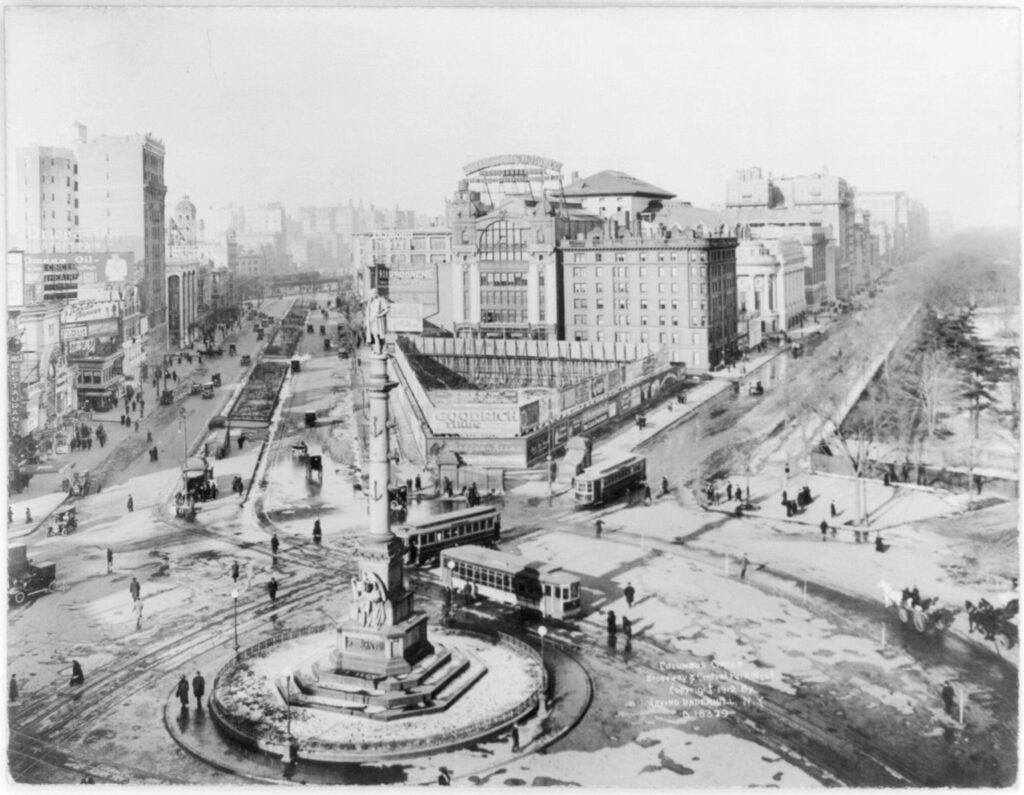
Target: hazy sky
[{"x": 314, "y": 106}]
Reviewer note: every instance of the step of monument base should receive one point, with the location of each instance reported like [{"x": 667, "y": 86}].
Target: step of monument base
[
  {"x": 325, "y": 674},
  {"x": 448, "y": 682}
]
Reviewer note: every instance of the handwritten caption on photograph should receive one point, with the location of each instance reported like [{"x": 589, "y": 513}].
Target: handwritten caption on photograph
[{"x": 698, "y": 689}]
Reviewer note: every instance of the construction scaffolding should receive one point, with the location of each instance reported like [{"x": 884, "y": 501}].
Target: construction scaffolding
[{"x": 514, "y": 364}]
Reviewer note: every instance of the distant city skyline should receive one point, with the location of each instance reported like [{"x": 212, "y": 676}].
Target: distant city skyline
[{"x": 319, "y": 106}]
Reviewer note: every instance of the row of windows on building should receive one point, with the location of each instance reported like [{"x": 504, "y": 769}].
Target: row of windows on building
[
  {"x": 409, "y": 244},
  {"x": 416, "y": 259},
  {"x": 624, "y": 287},
  {"x": 654, "y": 256},
  {"x": 643, "y": 337},
  {"x": 67, "y": 181}
]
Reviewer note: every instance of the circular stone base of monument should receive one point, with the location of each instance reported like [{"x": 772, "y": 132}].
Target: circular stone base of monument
[{"x": 247, "y": 702}]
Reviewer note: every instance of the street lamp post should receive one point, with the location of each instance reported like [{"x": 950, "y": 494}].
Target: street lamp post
[
  {"x": 542, "y": 632},
  {"x": 184, "y": 433},
  {"x": 234, "y": 596},
  {"x": 548, "y": 462},
  {"x": 287, "y": 674}
]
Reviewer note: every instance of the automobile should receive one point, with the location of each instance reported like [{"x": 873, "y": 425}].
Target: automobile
[
  {"x": 208, "y": 389},
  {"x": 246, "y": 360},
  {"x": 797, "y": 350},
  {"x": 259, "y": 335},
  {"x": 195, "y": 388},
  {"x": 25, "y": 578},
  {"x": 215, "y": 378},
  {"x": 166, "y": 397},
  {"x": 232, "y": 349},
  {"x": 755, "y": 389}
]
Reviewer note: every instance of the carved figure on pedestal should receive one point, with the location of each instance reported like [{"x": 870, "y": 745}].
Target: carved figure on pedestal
[{"x": 376, "y": 321}]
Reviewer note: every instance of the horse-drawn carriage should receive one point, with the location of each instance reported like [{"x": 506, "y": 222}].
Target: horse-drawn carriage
[
  {"x": 923, "y": 614},
  {"x": 995, "y": 618}
]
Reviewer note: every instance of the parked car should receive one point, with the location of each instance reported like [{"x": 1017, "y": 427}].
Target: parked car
[
  {"x": 246, "y": 360},
  {"x": 208, "y": 389},
  {"x": 215, "y": 378},
  {"x": 25, "y": 578}
]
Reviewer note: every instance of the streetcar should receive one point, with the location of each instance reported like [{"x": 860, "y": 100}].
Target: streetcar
[
  {"x": 425, "y": 538},
  {"x": 602, "y": 482},
  {"x": 532, "y": 586}
]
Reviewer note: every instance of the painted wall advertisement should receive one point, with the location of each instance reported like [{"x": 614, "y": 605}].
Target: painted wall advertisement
[
  {"x": 57, "y": 274},
  {"x": 474, "y": 419}
]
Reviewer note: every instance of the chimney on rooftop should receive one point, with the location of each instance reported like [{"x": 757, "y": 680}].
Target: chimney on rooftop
[{"x": 574, "y": 176}]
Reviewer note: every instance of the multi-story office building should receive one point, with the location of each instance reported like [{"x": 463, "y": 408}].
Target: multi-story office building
[
  {"x": 674, "y": 291},
  {"x": 259, "y": 232},
  {"x": 121, "y": 189},
  {"x": 820, "y": 201},
  {"x": 44, "y": 216},
  {"x": 184, "y": 263}
]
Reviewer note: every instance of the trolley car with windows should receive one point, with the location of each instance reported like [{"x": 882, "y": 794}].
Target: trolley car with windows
[
  {"x": 602, "y": 482},
  {"x": 425, "y": 538},
  {"x": 532, "y": 586}
]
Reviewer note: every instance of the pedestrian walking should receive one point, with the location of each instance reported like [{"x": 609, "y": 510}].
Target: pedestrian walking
[
  {"x": 110, "y": 560},
  {"x": 664, "y": 485},
  {"x": 317, "y": 533},
  {"x": 785, "y": 497},
  {"x": 418, "y": 483},
  {"x": 647, "y": 493},
  {"x": 743, "y": 567},
  {"x": 629, "y": 593},
  {"x": 149, "y": 436},
  {"x": 198, "y": 689},
  {"x": 181, "y": 691},
  {"x": 12, "y": 689},
  {"x": 598, "y": 527},
  {"x": 234, "y": 571},
  {"x": 135, "y": 589},
  {"x": 444, "y": 777},
  {"x": 77, "y": 675},
  {"x": 739, "y": 494},
  {"x": 728, "y": 491},
  {"x": 137, "y": 609},
  {"x": 627, "y": 628},
  {"x": 28, "y": 516},
  {"x": 131, "y": 504},
  {"x": 156, "y": 454},
  {"x": 612, "y": 623},
  {"x": 832, "y": 510},
  {"x": 272, "y": 590},
  {"x": 948, "y": 697},
  {"x": 274, "y": 545},
  {"x": 515, "y": 739},
  {"x": 824, "y": 529}
]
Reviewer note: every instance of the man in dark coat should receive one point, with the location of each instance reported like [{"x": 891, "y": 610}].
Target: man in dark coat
[
  {"x": 110, "y": 560},
  {"x": 198, "y": 689},
  {"x": 272, "y": 590},
  {"x": 234, "y": 571},
  {"x": 948, "y": 697},
  {"x": 629, "y": 593},
  {"x": 77, "y": 676},
  {"x": 182, "y": 691},
  {"x": 317, "y": 532},
  {"x": 611, "y": 622},
  {"x": 135, "y": 589},
  {"x": 274, "y": 545},
  {"x": 444, "y": 778}
]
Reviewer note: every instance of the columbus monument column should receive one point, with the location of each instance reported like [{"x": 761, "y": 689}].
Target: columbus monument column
[{"x": 383, "y": 636}]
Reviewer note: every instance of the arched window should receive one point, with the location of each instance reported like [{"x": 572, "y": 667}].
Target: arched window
[{"x": 503, "y": 242}]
